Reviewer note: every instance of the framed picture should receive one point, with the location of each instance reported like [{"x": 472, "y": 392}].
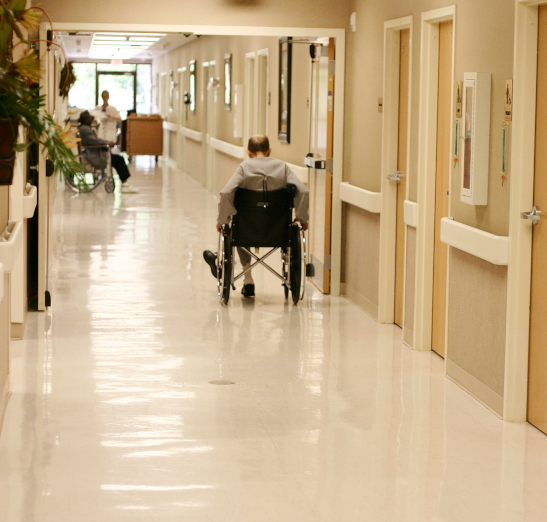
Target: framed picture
[
  {"x": 285, "y": 65},
  {"x": 193, "y": 86},
  {"x": 171, "y": 90},
  {"x": 228, "y": 82}
]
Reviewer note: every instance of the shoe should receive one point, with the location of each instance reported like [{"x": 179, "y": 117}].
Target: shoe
[
  {"x": 129, "y": 189},
  {"x": 248, "y": 290},
  {"x": 211, "y": 260}
]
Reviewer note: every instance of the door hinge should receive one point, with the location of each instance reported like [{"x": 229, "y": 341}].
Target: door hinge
[
  {"x": 327, "y": 262},
  {"x": 330, "y": 164},
  {"x": 48, "y": 299},
  {"x": 332, "y": 67}
]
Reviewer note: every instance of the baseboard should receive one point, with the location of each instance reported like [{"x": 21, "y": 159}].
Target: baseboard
[
  {"x": 474, "y": 387},
  {"x": 408, "y": 336},
  {"x": 170, "y": 162},
  {"x": 4, "y": 398},
  {"x": 360, "y": 301}
]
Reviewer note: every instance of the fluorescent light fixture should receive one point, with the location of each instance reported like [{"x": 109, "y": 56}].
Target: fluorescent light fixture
[
  {"x": 143, "y": 39},
  {"x": 110, "y": 38}
]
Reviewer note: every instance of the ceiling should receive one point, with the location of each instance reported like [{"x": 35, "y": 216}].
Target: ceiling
[{"x": 84, "y": 45}]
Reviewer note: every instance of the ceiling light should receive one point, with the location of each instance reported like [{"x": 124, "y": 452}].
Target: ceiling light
[
  {"x": 142, "y": 39},
  {"x": 112, "y": 38}
]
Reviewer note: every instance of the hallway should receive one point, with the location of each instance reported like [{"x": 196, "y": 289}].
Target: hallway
[{"x": 112, "y": 416}]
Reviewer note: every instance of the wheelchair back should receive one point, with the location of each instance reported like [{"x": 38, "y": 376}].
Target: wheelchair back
[{"x": 263, "y": 217}]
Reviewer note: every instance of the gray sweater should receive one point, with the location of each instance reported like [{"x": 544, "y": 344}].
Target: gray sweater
[{"x": 251, "y": 174}]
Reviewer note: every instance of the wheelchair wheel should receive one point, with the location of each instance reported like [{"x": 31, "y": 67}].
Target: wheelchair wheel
[
  {"x": 224, "y": 266},
  {"x": 296, "y": 272},
  {"x": 109, "y": 185}
]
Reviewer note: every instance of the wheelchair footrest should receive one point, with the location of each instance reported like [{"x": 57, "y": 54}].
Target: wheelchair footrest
[{"x": 310, "y": 270}]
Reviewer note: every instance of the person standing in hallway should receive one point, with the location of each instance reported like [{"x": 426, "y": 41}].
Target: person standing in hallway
[
  {"x": 90, "y": 139},
  {"x": 110, "y": 118},
  {"x": 258, "y": 172}
]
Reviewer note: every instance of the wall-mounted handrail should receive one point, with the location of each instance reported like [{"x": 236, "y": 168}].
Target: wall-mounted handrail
[
  {"x": 30, "y": 199},
  {"x": 11, "y": 242},
  {"x": 191, "y": 134},
  {"x": 227, "y": 148},
  {"x": 301, "y": 172},
  {"x": 358, "y": 197},
  {"x": 481, "y": 244},
  {"x": 170, "y": 126},
  {"x": 411, "y": 213}
]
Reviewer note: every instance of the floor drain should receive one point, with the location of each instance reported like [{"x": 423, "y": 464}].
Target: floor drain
[{"x": 222, "y": 383}]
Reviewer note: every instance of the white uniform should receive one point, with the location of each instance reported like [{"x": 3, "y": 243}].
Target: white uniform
[{"x": 108, "y": 127}]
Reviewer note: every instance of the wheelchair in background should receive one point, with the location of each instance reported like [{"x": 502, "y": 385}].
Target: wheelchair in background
[
  {"x": 264, "y": 219},
  {"x": 97, "y": 167}
]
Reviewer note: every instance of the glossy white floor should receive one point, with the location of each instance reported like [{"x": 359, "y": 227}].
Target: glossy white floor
[{"x": 112, "y": 417}]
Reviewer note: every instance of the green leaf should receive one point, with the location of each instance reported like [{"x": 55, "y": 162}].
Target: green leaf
[{"x": 17, "y": 6}]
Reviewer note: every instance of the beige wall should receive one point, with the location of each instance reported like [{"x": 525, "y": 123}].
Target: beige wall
[
  {"x": 214, "y": 48},
  {"x": 476, "y": 324},
  {"x": 360, "y": 258},
  {"x": 225, "y": 166},
  {"x": 484, "y": 42},
  {"x": 270, "y": 13},
  {"x": 193, "y": 160}
]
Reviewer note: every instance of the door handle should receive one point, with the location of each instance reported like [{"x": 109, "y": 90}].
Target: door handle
[
  {"x": 395, "y": 177},
  {"x": 533, "y": 216}
]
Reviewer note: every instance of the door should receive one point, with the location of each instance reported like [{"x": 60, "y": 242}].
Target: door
[
  {"x": 537, "y": 363},
  {"x": 320, "y": 179},
  {"x": 402, "y": 147},
  {"x": 209, "y": 123},
  {"x": 444, "y": 105}
]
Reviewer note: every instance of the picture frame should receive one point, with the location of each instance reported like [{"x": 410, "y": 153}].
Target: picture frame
[
  {"x": 192, "y": 69},
  {"x": 285, "y": 73},
  {"x": 228, "y": 81}
]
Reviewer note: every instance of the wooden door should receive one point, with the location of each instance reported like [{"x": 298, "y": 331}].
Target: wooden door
[
  {"x": 537, "y": 363},
  {"x": 444, "y": 113},
  {"x": 320, "y": 181},
  {"x": 404, "y": 60}
]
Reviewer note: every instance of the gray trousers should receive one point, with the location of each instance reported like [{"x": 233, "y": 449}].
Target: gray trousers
[{"x": 244, "y": 257}]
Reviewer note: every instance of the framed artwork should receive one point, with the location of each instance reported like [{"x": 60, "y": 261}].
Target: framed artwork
[
  {"x": 193, "y": 86},
  {"x": 285, "y": 65},
  {"x": 228, "y": 82},
  {"x": 171, "y": 90}
]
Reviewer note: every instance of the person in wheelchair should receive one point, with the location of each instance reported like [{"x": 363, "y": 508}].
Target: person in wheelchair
[
  {"x": 96, "y": 156},
  {"x": 259, "y": 173}
]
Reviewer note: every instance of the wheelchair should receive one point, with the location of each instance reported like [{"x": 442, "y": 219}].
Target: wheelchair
[
  {"x": 92, "y": 176},
  {"x": 264, "y": 219}
]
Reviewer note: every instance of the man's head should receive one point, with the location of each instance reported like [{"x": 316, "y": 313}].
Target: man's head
[
  {"x": 85, "y": 118},
  {"x": 259, "y": 145},
  {"x": 105, "y": 95}
]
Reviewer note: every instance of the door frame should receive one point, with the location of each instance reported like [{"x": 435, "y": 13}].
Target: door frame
[
  {"x": 262, "y": 54},
  {"x": 209, "y": 116},
  {"x": 181, "y": 118},
  {"x": 390, "y": 142},
  {"x": 519, "y": 278},
  {"x": 249, "y": 91},
  {"x": 427, "y": 156}
]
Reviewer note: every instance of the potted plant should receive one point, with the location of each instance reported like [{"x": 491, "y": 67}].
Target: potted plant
[{"x": 20, "y": 100}]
